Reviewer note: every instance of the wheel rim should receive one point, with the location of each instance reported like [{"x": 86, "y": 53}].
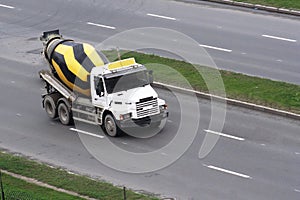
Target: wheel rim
[
  {"x": 49, "y": 108},
  {"x": 63, "y": 114},
  {"x": 110, "y": 126}
]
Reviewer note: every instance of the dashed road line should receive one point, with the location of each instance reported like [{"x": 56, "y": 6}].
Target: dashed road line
[
  {"x": 86, "y": 133},
  {"x": 225, "y": 135},
  {"x": 6, "y": 6},
  {"x": 228, "y": 171},
  {"x": 161, "y": 16},
  {"x": 296, "y": 190},
  {"x": 101, "y": 25},
  {"x": 297, "y": 153},
  {"x": 215, "y": 48},
  {"x": 279, "y": 38}
]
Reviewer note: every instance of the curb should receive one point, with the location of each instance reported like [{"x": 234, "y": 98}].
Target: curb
[
  {"x": 229, "y": 101},
  {"x": 257, "y": 6}
]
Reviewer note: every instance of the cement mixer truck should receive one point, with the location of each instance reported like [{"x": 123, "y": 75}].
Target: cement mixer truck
[{"x": 82, "y": 85}]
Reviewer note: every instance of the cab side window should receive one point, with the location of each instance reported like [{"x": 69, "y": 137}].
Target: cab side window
[{"x": 99, "y": 86}]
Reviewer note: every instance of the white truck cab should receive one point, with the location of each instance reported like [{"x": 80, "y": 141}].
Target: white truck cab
[{"x": 123, "y": 90}]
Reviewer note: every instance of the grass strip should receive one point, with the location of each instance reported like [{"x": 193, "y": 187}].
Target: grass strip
[
  {"x": 62, "y": 179},
  {"x": 17, "y": 189},
  {"x": 238, "y": 86},
  {"x": 290, "y": 4}
]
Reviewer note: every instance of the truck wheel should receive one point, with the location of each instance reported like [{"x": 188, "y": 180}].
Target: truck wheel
[
  {"x": 64, "y": 115},
  {"x": 110, "y": 126},
  {"x": 50, "y": 107}
]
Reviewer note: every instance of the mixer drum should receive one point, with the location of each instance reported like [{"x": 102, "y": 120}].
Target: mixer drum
[{"x": 73, "y": 62}]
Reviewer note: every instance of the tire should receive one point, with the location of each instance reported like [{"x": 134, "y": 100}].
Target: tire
[
  {"x": 110, "y": 126},
  {"x": 65, "y": 116},
  {"x": 50, "y": 107}
]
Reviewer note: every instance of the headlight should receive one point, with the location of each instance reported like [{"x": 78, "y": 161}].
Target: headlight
[
  {"x": 125, "y": 116},
  {"x": 164, "y": 107}
]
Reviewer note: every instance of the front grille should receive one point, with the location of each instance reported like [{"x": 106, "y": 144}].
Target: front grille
[{"x": 146, "y": 107}]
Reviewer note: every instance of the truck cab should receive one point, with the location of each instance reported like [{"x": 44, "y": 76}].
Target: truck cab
[{"x": 122, "y": 91}]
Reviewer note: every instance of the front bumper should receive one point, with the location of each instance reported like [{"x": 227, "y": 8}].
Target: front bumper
[{"x": 146, "y": 121}]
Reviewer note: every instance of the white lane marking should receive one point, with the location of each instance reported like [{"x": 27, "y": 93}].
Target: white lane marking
[
  {"x": 101, "y": 25},
  {"x": 124, "y": 143},
  {"x": 86, "y": 133},
  {"x": 297, "y": 153},
  {"x": 225, "y": 135},
  {"x": 279, "y": 38},
  {"x": 6, "y": 6},
  {"x": 164, "y": 154},
  {"x": 228, "y": 171},
  {"x": 296, "y": 190},
  {"x": 263, "y": 144},
  {"x": 215, "y": 48},
  {"x": 161, "y": 16}
]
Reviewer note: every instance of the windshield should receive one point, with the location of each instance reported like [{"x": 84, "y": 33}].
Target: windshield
[{"x": 126, "y": 82}]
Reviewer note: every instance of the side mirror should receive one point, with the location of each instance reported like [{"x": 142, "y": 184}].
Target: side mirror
[{"x": 150, "y": 76}]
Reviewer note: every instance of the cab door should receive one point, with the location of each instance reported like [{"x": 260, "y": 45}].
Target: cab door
[{"x": 98, "y": 92}]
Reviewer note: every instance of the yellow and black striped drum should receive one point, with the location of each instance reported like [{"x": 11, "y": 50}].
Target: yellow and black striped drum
[{"x": 73, "y": 62}]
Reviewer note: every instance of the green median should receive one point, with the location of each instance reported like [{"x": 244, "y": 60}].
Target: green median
[
  {"x": 59, "y": 178},
  {"x": 290, "y": 4},
  {"x": 238, "y": 86}
]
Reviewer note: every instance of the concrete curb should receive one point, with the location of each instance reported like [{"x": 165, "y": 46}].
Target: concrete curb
[
  {"x": 230, "y": 101},
  {"x": 257, "y": 6}
]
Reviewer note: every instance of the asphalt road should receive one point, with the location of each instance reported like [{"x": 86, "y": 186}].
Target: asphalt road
[
  {"x": 258, "y": 158},
  {"x": 248, "y": 42}
]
